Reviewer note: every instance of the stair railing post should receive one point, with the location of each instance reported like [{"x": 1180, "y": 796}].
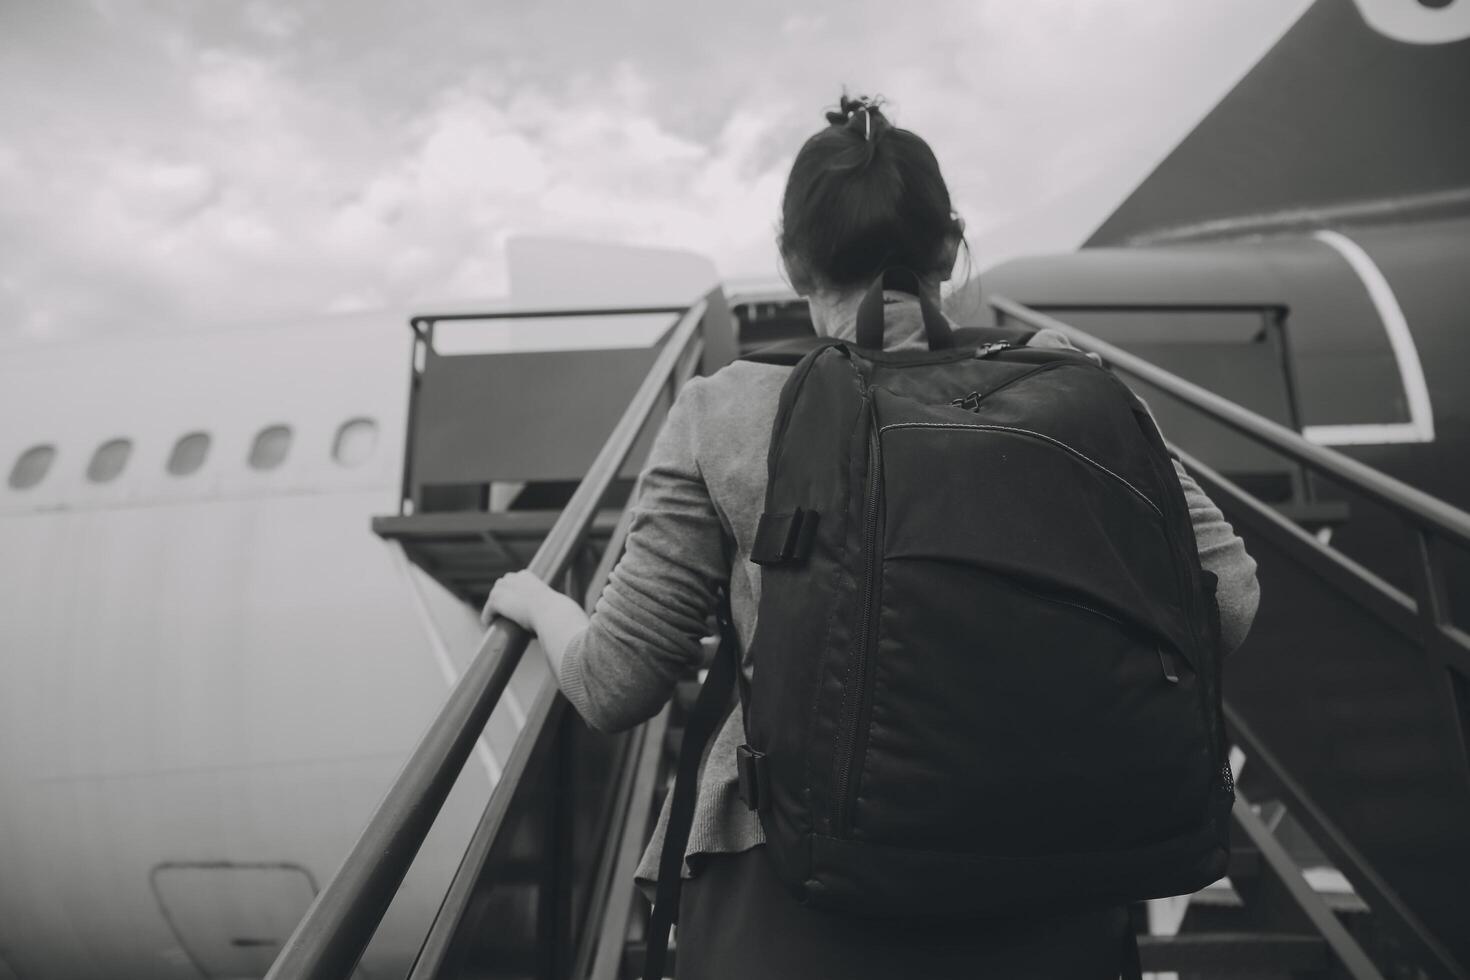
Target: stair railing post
[{"x": 1444, "y": 657}]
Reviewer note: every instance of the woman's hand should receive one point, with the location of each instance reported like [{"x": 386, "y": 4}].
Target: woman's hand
[
  {"x": 555, "y": 618},
  {"x": 520, "y": 596}
]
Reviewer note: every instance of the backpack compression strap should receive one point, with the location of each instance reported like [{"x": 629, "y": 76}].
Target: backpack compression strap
[
  {"x": 704, "y": 717},
  {"x": 980, "y": 336}
]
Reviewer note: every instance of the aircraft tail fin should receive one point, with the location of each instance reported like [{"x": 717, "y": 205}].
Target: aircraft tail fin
[{"x": 1357, "y": 113}]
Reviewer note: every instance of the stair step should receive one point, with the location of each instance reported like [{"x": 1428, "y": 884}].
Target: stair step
[
  {"x": 1232, "y": 952},
  {"x": 1197, "y": 953}
]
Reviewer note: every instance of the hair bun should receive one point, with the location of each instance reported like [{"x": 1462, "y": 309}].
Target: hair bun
[{"x": 847, "y": 108}]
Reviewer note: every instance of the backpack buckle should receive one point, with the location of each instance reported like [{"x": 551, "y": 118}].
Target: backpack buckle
[
  {"x": 755, "y": 786},
  {"x": 970, "y": 402},
  {"x": 780, "y": 538}
]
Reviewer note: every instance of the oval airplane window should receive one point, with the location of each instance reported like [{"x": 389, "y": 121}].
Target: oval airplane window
[
  {"x": 31, "y": 467},
  {"x": 188, "y": 453},
  {"x": 109, "y": 459},
  {"x": 270, "y": 447},
  {"x": 355, "y": 442}
]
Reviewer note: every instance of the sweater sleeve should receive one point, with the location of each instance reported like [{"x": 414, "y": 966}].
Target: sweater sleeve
[
  {"x": 1221, "y": 551},
  {"x": 645, "y": 631}
]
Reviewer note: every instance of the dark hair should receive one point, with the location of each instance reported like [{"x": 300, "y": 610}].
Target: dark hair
[{"x": 863, "y": 196}]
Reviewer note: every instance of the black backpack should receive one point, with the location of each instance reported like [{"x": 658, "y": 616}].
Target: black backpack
[{"x": 986, "y": 661}]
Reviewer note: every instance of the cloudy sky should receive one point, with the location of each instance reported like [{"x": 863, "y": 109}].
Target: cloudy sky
[{"x": 183, "y": 164}]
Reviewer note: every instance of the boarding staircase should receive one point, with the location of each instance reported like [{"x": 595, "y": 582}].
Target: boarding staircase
[{"x": 1347, "y": 707}]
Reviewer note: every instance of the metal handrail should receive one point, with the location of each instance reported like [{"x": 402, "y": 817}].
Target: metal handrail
[
  {"x": 1296, "y": 900},
  {"x": 449, "y": 920},
  {"x": 1423, "y": 618},
  {"x": 1366, "y": 880},
  {"x": 1425, "y": 511},
  {"x": 1429, "y": 517},
  {"x": 331, "y": 937},
  {"x": 1391, "y": 607},
  {"x": 423, "y": 325}
]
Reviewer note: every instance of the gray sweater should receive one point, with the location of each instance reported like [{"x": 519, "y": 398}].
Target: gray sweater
[{"x": 704, "y": 483}]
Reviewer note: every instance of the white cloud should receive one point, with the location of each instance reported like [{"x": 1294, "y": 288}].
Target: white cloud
[
  {"x": 273, "y": 20},
  {"x": 231, "y": 87},
  {"x": 480, "y": 274},
  {"x": 471, "y": 155},
  {"x": 360, "y": 301},
  {"x": 802, "y": 24},
  {"x": 256, "y": 161}
]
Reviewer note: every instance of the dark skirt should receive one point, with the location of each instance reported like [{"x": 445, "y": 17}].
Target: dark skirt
[{"x": 736, "y": 921}]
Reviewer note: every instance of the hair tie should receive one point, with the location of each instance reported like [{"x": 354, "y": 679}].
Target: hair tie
[{"x": 849, "y": 107}]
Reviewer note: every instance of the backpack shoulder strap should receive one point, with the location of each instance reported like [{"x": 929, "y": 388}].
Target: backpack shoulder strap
[
  {"x": 788, "y": 353},
  {"x": 708, "y": 711}
]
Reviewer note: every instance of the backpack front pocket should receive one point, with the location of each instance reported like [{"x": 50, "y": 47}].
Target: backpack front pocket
[{"x": 1024, "y": 679}]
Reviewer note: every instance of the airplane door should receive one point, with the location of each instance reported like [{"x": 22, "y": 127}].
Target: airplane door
[{"x": 232, "y": 919}]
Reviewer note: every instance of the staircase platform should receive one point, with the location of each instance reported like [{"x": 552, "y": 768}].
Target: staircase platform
[{"x": 466, "y": 551}]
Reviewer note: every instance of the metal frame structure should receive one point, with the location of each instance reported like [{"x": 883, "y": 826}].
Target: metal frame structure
[
  {"x": 1303, "y": 933},
  {"x": 1423, "y": 619},
  {"x": 423, "y": 328},
  {"x": 335, "y": 931}
]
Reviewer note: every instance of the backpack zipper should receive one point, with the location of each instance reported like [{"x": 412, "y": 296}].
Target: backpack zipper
[
  {"x": 1042, "y": 437},
  {"x": 1038, "y": 369},
  {"x": 1164, "y": 470},
  {"x": 855, "y": 703},
  {"x": 1172, "y": 498},
  {"x": 857, "y": 698}
]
